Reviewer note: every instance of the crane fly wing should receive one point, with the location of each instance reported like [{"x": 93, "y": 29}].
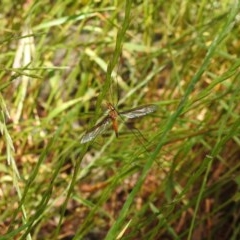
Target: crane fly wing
[
  {"x": 139, "y": 111},
  {"x": 96, "y": 130}
]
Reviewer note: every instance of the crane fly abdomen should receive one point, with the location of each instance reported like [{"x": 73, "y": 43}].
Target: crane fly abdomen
[{"x": 115, "y": 126}]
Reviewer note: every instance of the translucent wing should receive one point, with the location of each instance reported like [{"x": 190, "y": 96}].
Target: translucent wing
[
  {"x": 139, "y": 111},
  {"x": 96, "y": 130}
]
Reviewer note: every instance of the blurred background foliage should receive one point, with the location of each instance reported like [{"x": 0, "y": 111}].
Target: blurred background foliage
[{"x": 173, "y": 174}]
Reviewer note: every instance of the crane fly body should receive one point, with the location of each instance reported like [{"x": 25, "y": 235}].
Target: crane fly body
[
  {"x": 112, "y": 118},
  {"x": 112, "y": 114}
]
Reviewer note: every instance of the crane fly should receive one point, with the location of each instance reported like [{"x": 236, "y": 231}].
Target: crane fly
[{"x": 112, "y": 118}]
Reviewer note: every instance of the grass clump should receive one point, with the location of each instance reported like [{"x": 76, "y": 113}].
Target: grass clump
[{"x": 176, "y": 177}]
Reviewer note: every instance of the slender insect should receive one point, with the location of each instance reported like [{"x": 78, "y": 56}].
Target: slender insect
[{"x": 112, "y": 118}]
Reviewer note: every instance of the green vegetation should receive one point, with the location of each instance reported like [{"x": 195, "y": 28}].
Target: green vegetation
[{"x": 174, "y": 174}]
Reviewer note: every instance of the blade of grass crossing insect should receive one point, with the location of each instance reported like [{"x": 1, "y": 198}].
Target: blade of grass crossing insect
[
  {"x": 117, "y": 52},
  {"x": 120, "y": 37}
]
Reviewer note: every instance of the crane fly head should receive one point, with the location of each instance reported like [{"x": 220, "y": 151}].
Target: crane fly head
[
  {"x": 112, "y": 111},
  {"x": 110, "y": 106}
]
